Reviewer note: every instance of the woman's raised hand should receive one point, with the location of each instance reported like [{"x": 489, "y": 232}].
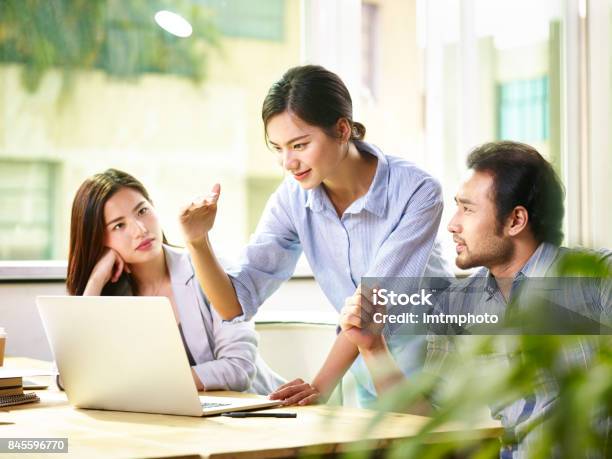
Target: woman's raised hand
[
  {"x": 108, "y": 269},
  {"x": 198, "y": 217}
]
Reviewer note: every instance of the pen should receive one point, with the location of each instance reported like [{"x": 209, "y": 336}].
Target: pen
[{"x": 244, "y": 414}]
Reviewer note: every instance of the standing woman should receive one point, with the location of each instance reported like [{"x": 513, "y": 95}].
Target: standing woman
[
  {"x": 117, "y": 248},
  {"x": 354, "y": 212}
]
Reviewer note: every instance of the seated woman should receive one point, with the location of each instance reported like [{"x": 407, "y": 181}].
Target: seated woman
[{"x": 117, "y": 247}]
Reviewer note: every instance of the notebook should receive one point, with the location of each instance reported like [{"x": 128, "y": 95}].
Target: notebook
[
  {"x": 11, "y": 386},
  {"x": 11, "y": 400}
]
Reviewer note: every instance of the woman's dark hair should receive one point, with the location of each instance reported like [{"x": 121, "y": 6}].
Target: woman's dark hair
[
  {"x": 522, "y": 177},
  {"x": 315, "y": 95},
  {"x": 87, "y": 229}
]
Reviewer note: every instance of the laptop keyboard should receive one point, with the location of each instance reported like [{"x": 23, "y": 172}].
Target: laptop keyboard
[{"x": 214, "y": 405}]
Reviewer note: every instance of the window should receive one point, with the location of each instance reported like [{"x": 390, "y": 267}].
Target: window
[
  {"x": 369, "y": 47},
  {"x": 94, "y": 85},
  {"x": 483, "y": 82},
  {"x": 523, "y": 110},
  {"x": 249, "y": 19},
  {"x": 27, "y": 208}
]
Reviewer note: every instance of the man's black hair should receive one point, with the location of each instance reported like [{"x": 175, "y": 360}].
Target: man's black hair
[{"x": 522, "y": 177}]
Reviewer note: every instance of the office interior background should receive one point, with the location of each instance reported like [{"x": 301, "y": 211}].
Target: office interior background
[{"x": 85, "y": 86}]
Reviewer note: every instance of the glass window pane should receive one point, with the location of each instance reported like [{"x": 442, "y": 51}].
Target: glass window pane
[
  {"x": 27, "y": 195},
  {"x": 98, "y": 84},
  {"x": 497, "y": 82}
]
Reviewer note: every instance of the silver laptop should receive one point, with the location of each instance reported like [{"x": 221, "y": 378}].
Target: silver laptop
[{"x": 126, "y": 354}]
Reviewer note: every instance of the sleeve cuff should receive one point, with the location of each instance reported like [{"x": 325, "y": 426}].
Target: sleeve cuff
[
  {"x": 235, "y": 320},
  {"x": 214, "y": 376},
  {"x": 245, "y": 300}
]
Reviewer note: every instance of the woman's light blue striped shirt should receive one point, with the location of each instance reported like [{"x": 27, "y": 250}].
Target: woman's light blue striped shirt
[{"x": 390, "y": 231}]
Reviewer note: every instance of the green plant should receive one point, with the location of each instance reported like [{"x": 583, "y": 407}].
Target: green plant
[
  {"x": 577, "y": 421},
  {"x": 118, "y": 37}
]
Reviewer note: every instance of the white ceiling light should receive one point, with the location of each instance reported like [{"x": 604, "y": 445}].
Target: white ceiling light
[{"x": 173, "y": 23}]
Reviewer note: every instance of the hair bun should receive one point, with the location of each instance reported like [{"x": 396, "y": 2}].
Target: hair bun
[{"x": 358, "y": 131}]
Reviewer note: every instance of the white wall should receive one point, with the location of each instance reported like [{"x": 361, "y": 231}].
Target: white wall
[{"x": 298, "y": 300}]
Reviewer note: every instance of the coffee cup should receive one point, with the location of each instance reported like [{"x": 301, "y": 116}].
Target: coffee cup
[{"x": 2, "y": 345}]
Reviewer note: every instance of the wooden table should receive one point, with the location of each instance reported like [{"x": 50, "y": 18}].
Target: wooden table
[{"x": 317, "y": 429}]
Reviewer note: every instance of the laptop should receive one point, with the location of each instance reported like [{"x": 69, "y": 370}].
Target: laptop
[{"x": 126, "y": 354}]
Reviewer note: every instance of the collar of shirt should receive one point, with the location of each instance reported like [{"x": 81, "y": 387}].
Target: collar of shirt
[
  {"x": 374, "y": 201},
  {"x": 179, "y": 267},
  {"x": 537, "y": 266}
]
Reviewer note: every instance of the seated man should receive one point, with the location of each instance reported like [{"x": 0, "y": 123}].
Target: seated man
[{"x": 508, "y": 221}]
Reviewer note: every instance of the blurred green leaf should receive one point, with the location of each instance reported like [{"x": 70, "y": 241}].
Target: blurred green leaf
[{"x": 578, "y": 420}]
